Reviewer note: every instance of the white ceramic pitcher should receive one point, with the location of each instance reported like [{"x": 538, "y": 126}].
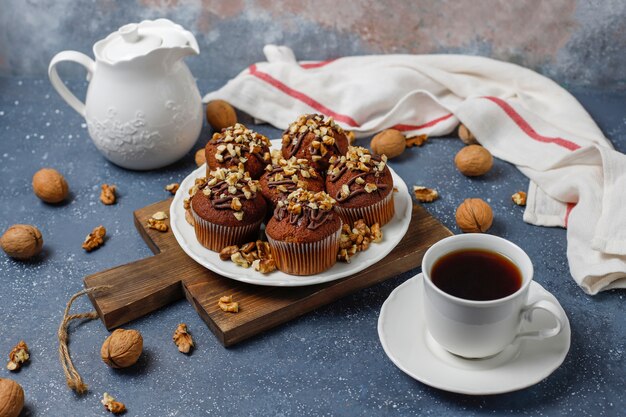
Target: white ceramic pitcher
[{"x": 143, "y": 108}]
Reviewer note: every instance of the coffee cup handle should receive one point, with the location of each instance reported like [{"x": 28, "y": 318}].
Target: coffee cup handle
[{"x": 526, "y": 315}]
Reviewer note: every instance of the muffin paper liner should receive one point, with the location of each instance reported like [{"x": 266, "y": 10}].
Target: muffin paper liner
[
  {"x": 305, "y": 258},
  {"x": 216, "y": 237},
  {"x": 381, "y": 212}
]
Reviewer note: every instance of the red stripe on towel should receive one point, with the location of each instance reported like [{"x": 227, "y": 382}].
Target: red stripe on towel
[
  {"x": 319, "y": 64},
  {"x": 568, "y": 210},
  {"x": 309, "y": 101},
  {"x": 526, "y": 128},
  {"x": 404, "y": 128}
]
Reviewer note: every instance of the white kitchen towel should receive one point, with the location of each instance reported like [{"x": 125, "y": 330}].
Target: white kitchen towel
[{"x": 577, "y": 179}]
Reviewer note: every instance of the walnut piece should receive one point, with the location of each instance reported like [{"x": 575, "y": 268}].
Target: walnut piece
[
  {"x": 357, "y": 239},
  {"x": 519, "y": 198},
  {"x": 21, "y": 241},
  {"x": 474, "y": 216},
  {"x": 11, "y": 398},
  {"x": 111, "y": 405},
  {"x": 18, "y": 356},
  {"x": 107, "y": 196},
  {"x": 182, "y": 338},
  {"x": 418, "y": 140},
  {"x": 200, "y": 157},
  {"x": 425, "y": 195},
  {"x": 172, "y": 188},
  {"x": 220, "y": 114},
  {"x": 256, "y": 254},
  {"x": 157, "y": 222},
  {"x": 95, "y": 239},
  {"x": 227, "y": 304},
  {"x": 122, "y": 348}
]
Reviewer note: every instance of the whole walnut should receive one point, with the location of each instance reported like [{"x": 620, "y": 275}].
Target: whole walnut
[
  {"x": 122, "y": 348},
  {"x": 474, "y": 216},
  {"x": 11, "y": 398},
  {"x": 220, "y": 114},
  {"x": 49, "y": 185},
  {"x": 473, "y": 160},
  {"x": 21, "y": 241},
  {"x": 466, "y": 136},
  {"x": 389, "y": 142}
]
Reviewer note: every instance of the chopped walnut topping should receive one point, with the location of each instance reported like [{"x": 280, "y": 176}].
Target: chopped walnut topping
[
  {"x": 370, "y": 187},
  {"x": 357, "y": 159},
  {"x": 182, "y": 338},
  {"x": 304, "y": 198},
  {"x": 425, "y": 195},
  {"x": 323, "y": 128},
  {"x": 111, "y": 405},
  {"x": 107, "y": 196},
  {"x": 351, "y": 137},
  {"x": 237, "y": 142},
  {"x": 172, "y": 188},
  {"x": 18, "y": 356},
  {"x": 357, "y": 239},
  {"x": 519, "y": 198},
  {"x": 227, "y": 304},
  {"x": 418, "y": 140},
  {"x": 95, "y": 239}
]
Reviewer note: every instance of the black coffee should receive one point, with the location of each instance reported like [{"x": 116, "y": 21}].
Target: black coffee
[{"x": 476, "y": 274}]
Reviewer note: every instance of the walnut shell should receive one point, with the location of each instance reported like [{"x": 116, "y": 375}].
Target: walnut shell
[
  {"x": 474, "y": 216},
  {"x": 122, "y": 348},
  {"x": 11, "y": 398},
  {"x": 389, "y": 142},
  {"x": 220, "y": 114},
  {"x": 21, "y": 241},
  {"x": 466, "y": 136},
  {"x": 473, "y": 160},
  {"x": 49, "y": 185}
]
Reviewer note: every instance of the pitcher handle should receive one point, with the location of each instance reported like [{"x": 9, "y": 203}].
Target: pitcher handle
[{"x": 60, "y": 86}]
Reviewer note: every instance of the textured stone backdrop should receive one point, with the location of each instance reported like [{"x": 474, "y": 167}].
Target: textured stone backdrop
[{"x": 576, "y": 42}]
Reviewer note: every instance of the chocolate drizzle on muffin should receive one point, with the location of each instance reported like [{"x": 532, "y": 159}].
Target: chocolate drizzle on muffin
[
  {"x": 368, "y": 167},
  {"x": 305, "y": 209},
  {"x": 287, "y": 175},
  {"x": 227, "y": 188}
]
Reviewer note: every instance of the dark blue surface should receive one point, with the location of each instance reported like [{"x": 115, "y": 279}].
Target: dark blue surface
[{"x": 328, "y": 362}]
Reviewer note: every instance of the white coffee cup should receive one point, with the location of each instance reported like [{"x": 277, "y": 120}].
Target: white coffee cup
[{"x": 478, "y": 329}]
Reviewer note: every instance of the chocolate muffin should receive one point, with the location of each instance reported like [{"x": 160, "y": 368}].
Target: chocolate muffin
[
  {"x": 283, "y": 176},
  {"x": 238, "y": 144},
  {"x": 304, "y": 233},
  {"x": 227, "y": 208},
  {"x": 362, "y": 185},
  {"x": 314, "y": 138}
]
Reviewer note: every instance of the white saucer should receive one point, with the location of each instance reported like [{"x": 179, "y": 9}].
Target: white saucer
[
  {"x": 410, "y": 347},
  {"x": 393, "y": 232}
]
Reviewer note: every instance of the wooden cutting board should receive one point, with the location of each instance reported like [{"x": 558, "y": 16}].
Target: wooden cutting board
[{"x": 140, "y": 287}]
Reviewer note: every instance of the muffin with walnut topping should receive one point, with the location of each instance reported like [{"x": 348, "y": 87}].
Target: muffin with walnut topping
[
  {"x": 283, "y": 176},
  {"x": 304, "y": 233},
  {"x": 238, "y": 144},
  {"x": 362, "y": 185},
  {"x": 227, "y": 208},
  {"x": 314, "y": 138}
]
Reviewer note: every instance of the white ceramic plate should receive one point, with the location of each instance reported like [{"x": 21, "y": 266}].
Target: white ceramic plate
[
  {"x": 410, "y": 347},
  {"x": 393, "y": 232}
]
